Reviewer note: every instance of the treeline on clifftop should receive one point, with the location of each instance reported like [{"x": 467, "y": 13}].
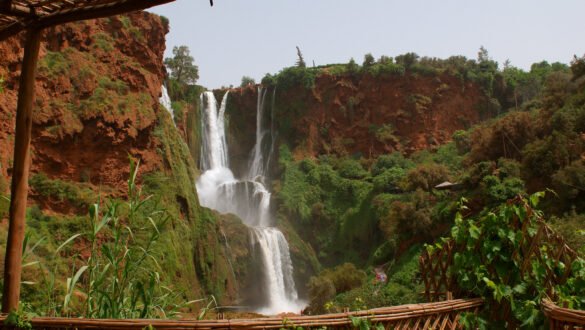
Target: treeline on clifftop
[{"x": 505, "y": 88}]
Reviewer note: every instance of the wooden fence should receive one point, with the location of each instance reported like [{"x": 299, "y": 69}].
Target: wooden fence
[
  {"x": 438, "y": 316},
  {"x": 563, "y": 318}
]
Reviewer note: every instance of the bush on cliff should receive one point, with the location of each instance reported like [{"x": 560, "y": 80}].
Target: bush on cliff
[{"x": 333, "y": 281}]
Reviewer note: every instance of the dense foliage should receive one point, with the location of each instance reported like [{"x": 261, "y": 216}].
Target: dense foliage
[
  {"x": 496, "y": 259},
  {"x": 369, "y": 211},
  {"x": 114, "y": 255}
]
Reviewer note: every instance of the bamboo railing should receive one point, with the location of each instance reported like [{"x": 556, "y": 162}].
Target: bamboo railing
[
  {"x": 438, "y": 316},
  {"x": 563, "y": 318}
]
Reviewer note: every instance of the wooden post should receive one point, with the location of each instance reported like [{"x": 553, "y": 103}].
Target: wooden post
[{"x": 21, "y": 165}]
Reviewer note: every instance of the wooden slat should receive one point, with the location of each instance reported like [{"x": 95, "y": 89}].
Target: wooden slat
[
  {"x": 413, "y": 316},
  {"x": 42, "y": 14}
]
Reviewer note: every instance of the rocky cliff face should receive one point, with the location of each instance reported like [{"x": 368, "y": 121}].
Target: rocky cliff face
[
  {"x": 96, "y": 98},
  {"x": 360, "y": 114},
  {"x": 96, "y": 103}
]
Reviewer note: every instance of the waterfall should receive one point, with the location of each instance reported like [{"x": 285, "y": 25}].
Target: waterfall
[
  {"x": 165, "y": 101},
  {"x": 248, "y": 198}
]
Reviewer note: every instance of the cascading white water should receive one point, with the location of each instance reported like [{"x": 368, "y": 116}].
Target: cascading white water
[
  {"x": 249, "y": 199},
  {"x": 165, "y": 101}
]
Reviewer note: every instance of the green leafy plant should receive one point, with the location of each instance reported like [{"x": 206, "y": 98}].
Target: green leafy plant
[
  {"x": 363, "y": 323},
  {"x": 19, "y": 320},
  {"x": 492, "y": 262}
]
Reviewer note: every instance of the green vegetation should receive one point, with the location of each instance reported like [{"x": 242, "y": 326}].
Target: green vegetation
[
  {"x": 150, "y": 254},
  {"x": 77, "y": 194},
  {"x": 359, "y": 214},
  {"x": 370, "y": 211},
  {"x": 403, "y": 286},
  {"x": 115, "y": 265},
  {"x": 300, "y": 61},
  {"x": 481, "y": 266},
  {"x": 143, "y": 257},
  {"x": 246, "y": 81},
  {"x": 54, "y": 64},
  {"x": 330, "y": 282},
  {"x": 123, "y": 277},
  {"x": 104, "y": 42},
  {"x": 183, "y": 73}
]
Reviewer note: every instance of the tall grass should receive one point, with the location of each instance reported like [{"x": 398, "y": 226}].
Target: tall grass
[{"x": 114, "y": 268}]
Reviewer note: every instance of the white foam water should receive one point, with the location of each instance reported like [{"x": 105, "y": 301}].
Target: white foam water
[
  {"x": 165, "y": 101},
  {"x": 247, "y": 198}
]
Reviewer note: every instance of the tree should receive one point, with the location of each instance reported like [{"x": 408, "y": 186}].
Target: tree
[
  {"x": 578, "y": 67},
  {"x": 407, "y": 60},
  {"x": 181, "y": 66},
  {"x": 301, "y": 61},
  {"x": 483, "y": 55},
  {"x": 352, "y": 66},
  {"x": 385, "y": 59},
  {"x": 247, "y": 81},
  {"x": 369, "y": 60}
]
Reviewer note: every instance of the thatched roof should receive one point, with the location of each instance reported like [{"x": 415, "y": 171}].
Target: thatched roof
[{"x": 19, "y": 15}]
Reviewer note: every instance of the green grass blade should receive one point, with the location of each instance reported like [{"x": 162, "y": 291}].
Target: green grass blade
[{"x": 67, "y": 242}]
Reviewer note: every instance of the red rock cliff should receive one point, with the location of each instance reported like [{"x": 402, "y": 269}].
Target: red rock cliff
[
  {"x": 361, "y": 114},
  {"x": 97, "y": 93}
]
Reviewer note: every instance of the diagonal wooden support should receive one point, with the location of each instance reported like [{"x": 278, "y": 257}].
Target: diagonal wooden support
[{"x": 21, "y": 166}]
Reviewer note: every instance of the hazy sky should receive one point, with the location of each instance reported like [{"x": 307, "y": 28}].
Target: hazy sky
[{"x": 254, "y": 37}]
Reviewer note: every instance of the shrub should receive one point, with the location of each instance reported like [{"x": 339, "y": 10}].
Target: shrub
[
  {"x": 78, "y": 194},
  {"x": 388, "y": 181},
  {"x": 352, "y": 169},
  {"x": 385, "y": 134},
  {"x": 569, "y": 183},
  {"x": 402, "y": 287},
  {"x": 268, "y": 80},
  {"x": 543, "y": 157},
  {"x": 103, "y": 42},
  {"x": 54, "y": 64},
  {"x": 498, "y": 190},
  {"x": 407, "y": 60},
  {"x": 413, "y": 217},
  {"x": 246, "y": 81},
  {"x": 462, "y": 142},
  {"x": 426, "y": 176},
  {"x": 334, "y": 281},
  {"x": 392, "y": 160},
  {"x": 296, "y": 76},
  {"x": 385, "y": 252},
  {"x": 321, "y": 291},
  {"x": 571, "y": 227},
  {"x": 352, "y": 67},
  {"x": 419, "y": 103}
]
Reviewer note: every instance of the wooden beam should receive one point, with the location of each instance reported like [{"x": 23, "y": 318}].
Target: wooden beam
[
  {"x": 14, "y": 28},
  {"x": 80, "y": 13},
  {"x": 21, "y": 166},
  {"x": 97, "y": 11},
  {"x": 16, "y": 10}
]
